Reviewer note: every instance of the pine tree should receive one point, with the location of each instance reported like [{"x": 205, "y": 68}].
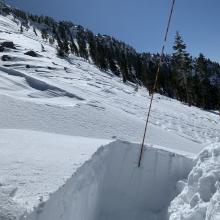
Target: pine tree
[
  {"x": 44, "y": 34},
  {"x": 181, "y": 67},
  {"x": 60, "y": 50},
  {"x": 42, "y": 48},
  {"x": 73, "y": 46},
  {"x": 62, "y": 39},
  {"x": 202, "y": 74},
  {"x": 51, "y": 40},
  {"x": 34, "y": 30},
  {"x": 100, "y": 56},
  {"x": 188, "y": 68},
  {"x": 2, "y": 4},
  {"x": 123, "y": 68},
  {"x": 201, "y": 66},
  {"x": 63, "y": 36},
  {"x": 81, "y": 40},
  {"x": 92, "y": 46},
  {"x": 111, "y": 62},
  {"x": 21, "y": 29}
]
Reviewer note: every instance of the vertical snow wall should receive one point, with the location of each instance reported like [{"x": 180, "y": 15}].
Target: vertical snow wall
[{"x": 111, "y": 187}]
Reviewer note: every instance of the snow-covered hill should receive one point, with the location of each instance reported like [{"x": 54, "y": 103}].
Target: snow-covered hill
[{"x": 55, "y": 113}]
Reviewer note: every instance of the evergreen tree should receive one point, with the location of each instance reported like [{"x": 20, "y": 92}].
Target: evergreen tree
[
  {"x": 92, "y": 47},
  {"x": 73, "y": 46},
  {"x": 42, "y": 48},
  {"x": 51, "y": 40},
  {"x": 21, "y": 29},
  {"x": 201, "y": 66},
  {"x": 81, "y": 40},
  {"x": 181, "y": 67},
  {"x": 2, "y": 4},
  {"x": 63, "y": 43},
  {"x": 34, "y": 30},
  {"x": 60, "y": 51},
  {"x": 123, "y": 67},
  {"x": 44, "y": 34},
  {"x": 101, "y": 54},
  {"x": 110, "y": 61},
  {"x": 202, "y": 75}
]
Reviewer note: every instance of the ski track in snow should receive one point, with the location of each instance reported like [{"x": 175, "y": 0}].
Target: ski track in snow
[{"x": 69, "y": 98}]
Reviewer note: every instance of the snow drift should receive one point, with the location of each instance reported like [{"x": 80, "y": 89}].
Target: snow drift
[
  {"x": 200, "y": 198},
  {"x": 110, "y": 186}
]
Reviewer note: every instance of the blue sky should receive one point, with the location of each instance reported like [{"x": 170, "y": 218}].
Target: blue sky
[{"x": 141, "y": 23}]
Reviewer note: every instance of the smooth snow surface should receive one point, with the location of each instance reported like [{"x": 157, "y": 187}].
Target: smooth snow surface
[
  {"x": 34, "y": 164},
  {"x": 111, "y": 186},
  {"x": 200, "y": 198}
]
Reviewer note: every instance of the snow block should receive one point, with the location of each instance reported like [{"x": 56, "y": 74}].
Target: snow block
[
  {"x": 200, "y": 197},
  {"x": 111, "y": 186}
]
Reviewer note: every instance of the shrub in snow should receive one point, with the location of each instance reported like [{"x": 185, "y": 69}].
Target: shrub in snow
[
  {"x": 200, "y": 198},
  {"x": 6, "y": 58},
  {"x": 2, "y": 49},
  {"x": 32, "y": 53},
  {"x": 8, "y": 44}
]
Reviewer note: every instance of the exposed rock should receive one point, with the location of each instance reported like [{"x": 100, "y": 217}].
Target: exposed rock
[{"x": 51, "y": 68}]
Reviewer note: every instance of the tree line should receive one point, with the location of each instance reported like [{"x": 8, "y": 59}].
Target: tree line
[{"x": 192, "y": 80}]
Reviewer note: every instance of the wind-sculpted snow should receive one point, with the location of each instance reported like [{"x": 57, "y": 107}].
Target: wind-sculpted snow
[
  {"x": 111, "y": 186},
  {"x": 200, "y": 197},
  {"x": 75, "y": 81},
  {"x": 39, "y": 84}
]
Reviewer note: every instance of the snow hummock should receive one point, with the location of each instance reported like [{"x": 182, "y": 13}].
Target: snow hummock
[
  {"x": 200, "y": 196},
  {"x": 112, "y": 187}
]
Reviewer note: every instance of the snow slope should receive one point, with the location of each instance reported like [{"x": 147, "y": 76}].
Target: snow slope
[
  {"x": 81, "y": 87},
  {"x": 49, "y": 104}
]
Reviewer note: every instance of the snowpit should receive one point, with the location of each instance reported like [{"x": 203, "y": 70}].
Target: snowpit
[{"x": 110, "y": 186}]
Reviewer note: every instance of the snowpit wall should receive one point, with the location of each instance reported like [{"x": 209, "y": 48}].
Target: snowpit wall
[{"x": 111, "y": 186}]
